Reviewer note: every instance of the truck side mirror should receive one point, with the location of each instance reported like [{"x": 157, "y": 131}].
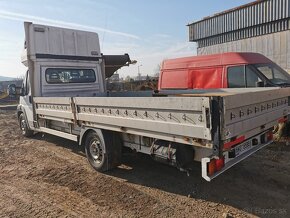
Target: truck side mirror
[
  {"x": 260, "y": 84},
  {"x": 11, "y": 90},
  {"x": 21, "y": 92}
]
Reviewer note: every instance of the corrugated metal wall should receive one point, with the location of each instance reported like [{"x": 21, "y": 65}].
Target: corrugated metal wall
[
  {"x": 258, "y": 18},
  {"x": 275, "y": 46},
  {"x": 264, "y": 29}
]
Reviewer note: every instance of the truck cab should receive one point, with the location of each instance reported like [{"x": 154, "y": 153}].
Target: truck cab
[
  {"x": 226, "y": 70},
  {"x": 63, "y": 62}
]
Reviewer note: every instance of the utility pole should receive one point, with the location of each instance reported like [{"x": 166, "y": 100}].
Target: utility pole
[{"x": 139, "y": 74}]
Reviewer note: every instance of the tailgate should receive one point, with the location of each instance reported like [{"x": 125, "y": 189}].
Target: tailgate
[
  {"x": 247, "y": 114},
  {"x": 246, "y": 120}
]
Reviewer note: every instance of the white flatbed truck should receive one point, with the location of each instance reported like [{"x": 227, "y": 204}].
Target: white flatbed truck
[{"x": 64, "y": 94}]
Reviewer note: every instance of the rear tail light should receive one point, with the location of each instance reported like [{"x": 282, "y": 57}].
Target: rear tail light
[
  {"x": 269, "y": 136},
  {"x": 211, "y": 167},
  {"x": 283, "y": 119},
  {"x": 233, "y": 142},
  {"x": 215, "y": 165},
  {"x": 220, "y": 163}
]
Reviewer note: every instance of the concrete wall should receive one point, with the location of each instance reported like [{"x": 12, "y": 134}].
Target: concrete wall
[{"x": 275, "y": 46}]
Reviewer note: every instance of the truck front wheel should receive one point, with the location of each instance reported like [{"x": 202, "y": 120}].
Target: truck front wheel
[
  {"x": 103, "y": 149},
  {"x": 24, "y": 127}
]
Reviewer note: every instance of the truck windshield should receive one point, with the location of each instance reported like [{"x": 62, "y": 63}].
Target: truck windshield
[
  {"x": 62, "y": 75},
  {"x": 274, "y": 73}
]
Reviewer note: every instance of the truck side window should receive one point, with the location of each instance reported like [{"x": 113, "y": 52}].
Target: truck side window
[
  {"x": 24, "y": 84},
  {"x": 27, "y": 84},
  {"x": 66, "y": 75},
  {"x": 236, "y": 77}
]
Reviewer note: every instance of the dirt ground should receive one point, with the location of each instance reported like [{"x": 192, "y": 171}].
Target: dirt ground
[{"x": 47, "y": 176}]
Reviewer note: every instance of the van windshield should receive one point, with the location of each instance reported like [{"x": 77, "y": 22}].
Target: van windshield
[{"x": 274, "y": 73}]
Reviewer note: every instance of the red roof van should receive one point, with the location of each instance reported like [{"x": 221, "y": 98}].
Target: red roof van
[{"x": 226, "y": 70}]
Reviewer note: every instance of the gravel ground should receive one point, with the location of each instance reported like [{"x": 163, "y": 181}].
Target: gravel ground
[{"x": 46, "y": 176}]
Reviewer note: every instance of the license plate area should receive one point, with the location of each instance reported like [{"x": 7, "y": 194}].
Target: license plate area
[
  {"x": 242, "y": 148},
  {"x": 238, "y": 150}
]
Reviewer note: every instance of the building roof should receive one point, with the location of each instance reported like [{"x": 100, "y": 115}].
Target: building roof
[
  {"x": 227, "y": 11},
  {"x": 250, "y": 20}
]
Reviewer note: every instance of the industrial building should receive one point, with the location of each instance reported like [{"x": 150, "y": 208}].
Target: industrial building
[{"x": 262, "y": 26}]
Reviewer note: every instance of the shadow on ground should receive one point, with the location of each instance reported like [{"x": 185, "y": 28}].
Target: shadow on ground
[{"x": 256, "y": 185}]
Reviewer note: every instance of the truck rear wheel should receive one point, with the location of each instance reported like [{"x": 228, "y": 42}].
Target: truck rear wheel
[
  {"x": 184, "y": 156},
  {"x": 103, "y": 149},
  {"x": 24, "y": 127}
]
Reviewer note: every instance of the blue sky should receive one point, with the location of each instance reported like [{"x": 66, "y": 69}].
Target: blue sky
[{"x": 149, "y": 31}]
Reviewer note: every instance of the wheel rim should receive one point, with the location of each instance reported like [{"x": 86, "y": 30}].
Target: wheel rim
[
  {"x": 96, "y": 151},
  {"x": 22, "y": 125}
]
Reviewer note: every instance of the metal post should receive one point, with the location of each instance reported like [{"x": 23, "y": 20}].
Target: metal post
[{"x": 139, "y": 75}]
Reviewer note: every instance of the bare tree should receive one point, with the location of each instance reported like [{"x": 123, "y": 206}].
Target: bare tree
[{"x": 128, "y": 79}]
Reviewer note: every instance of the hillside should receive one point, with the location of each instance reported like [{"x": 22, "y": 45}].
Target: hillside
[{"x": 4, "y": 78}]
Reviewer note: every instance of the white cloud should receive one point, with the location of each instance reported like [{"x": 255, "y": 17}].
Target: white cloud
[
  {"x": 148, "y": 51},
  {"x": 22, "y": 17}
]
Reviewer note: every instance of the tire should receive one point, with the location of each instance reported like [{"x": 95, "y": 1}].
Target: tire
[
  {"x": 24, "y": 127},
  {"x": 184, "y": 156},
  {"x": 103, "y": 149}
]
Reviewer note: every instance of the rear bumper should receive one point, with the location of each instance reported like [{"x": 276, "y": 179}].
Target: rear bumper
[{"x": 230, "y": 163}]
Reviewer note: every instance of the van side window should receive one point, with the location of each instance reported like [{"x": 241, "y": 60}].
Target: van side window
[
  {"x": 251, "y": 77},
  {"x": 236, "y": 77}
]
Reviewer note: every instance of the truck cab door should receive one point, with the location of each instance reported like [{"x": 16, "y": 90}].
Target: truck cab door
[{"x": 26, "y": 101}]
